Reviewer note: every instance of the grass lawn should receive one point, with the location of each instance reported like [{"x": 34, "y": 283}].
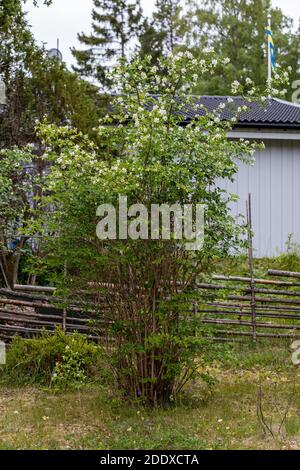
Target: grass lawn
[{"x": 218, "y": 416}]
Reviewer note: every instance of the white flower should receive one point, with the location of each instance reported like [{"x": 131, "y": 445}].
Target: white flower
[
  {"x": 208, "y": 50},
  {"x": 235, "y": 86}
]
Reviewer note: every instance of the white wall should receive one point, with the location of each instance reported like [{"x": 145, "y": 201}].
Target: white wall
[{"x": 274, "y": 183}]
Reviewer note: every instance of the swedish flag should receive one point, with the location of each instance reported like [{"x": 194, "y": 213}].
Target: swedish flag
[{"x": 272, "y": 47}]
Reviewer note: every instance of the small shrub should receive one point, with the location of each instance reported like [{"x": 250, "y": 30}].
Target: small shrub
[
  {"x": 52, "y": 359},
  {"x": 70, "y": 370}
]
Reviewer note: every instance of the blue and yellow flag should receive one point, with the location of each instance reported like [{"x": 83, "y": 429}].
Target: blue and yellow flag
[{"x": 272, "y": 47}]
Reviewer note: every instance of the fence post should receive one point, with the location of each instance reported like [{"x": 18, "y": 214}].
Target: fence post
[
  {"x": 250, "y": 258},
  {"x": 64, "y": 319}
]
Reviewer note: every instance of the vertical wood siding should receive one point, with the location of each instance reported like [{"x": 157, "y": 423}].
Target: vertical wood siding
[{"x": 274, "y": 182}]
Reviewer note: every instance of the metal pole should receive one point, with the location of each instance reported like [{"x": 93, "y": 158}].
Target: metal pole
[{"x": 250, "y": 256}]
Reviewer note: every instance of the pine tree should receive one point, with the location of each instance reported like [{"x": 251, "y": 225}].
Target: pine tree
[
  {"x": 151, "y": 41},
  {"x": 167, "y": 22},
  {"x": 115, "y": 26},
  {"x": 165, "y": 31}
]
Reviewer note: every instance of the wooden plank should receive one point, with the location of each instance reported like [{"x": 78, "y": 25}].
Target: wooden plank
[
  {"x": 237, "y": 313},
  {"x": 257, "y": 281},
  {"x": 29, "y": 288},
  {"x": 249, "y": 323},
  {"x": 261, "y": 335},
  {"x": 274, "y": 272}
]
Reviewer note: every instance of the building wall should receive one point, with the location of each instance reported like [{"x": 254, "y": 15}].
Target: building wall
[{"x": 274, "y": 183}]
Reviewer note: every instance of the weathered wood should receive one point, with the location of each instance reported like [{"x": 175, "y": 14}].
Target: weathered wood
[
  {"x": 244, "y": 307},
  {"x": 272, "y": 282},
  {"x": 249, "y": 290},
  {"x": 264, "y": 299},
  {"x": 275, "y": 272},
  {"x": 245, "y": 323},
  {"x": 29, "y": 288},
  {"x": 259, "y": 334},
  {"x": 275, "y": 292},
  {"x": 259, "y": 314},
  {"x": 42, "y": 323}
]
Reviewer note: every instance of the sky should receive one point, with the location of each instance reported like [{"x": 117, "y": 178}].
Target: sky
[{"x": 65, "y": 18}]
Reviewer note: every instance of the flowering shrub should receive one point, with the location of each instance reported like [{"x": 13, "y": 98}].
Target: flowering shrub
[{"x": 151, "y": 154}]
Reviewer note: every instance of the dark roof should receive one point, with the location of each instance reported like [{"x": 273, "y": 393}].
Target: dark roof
[{"x": 273, "y": 113}]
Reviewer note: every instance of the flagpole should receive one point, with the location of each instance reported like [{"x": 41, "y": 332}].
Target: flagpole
[{"x": 269, "y": 49}]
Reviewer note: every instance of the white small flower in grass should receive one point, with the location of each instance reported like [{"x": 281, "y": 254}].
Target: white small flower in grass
[
  {"x": 230, "y": 100},
  {"x": 249, "y": 81},
  {"x": 226, "y": 61},
  {"x": 222, "y": 106},
  {"x": 46, "y": 418},
  {"x": 16, "y": 412},
  {"x": 220, "y": 420}
]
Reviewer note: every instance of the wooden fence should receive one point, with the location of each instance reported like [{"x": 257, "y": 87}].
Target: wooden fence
[
  {"x": 240, "y": 307},
  {"x": 236, "y": 308},
  {"x": 28, "y": 314}
]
